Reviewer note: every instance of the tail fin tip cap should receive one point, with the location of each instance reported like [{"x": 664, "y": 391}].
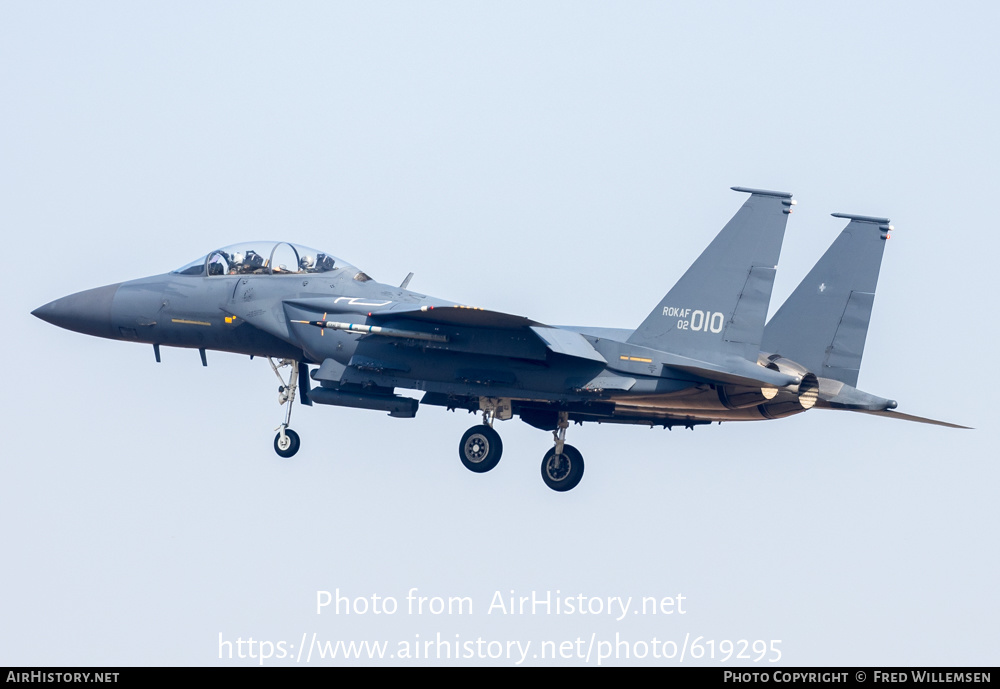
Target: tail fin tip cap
[
  {"x": 862, "y": 218},
  {"x": 763, "y": 192}
]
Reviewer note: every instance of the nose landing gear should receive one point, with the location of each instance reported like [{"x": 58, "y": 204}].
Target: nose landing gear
[{"x": 286, "y": 443}]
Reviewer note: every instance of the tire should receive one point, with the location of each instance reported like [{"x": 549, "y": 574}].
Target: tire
[
  {"x": 562, "y": 472},
  {"x": 290, "y": 446},
  {"x": 480, "y": 449}
]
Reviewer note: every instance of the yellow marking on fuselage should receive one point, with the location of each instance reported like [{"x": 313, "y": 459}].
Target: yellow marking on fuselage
[
  {"x": 635, "y": 358},
  {"x": 187, "y": 322}
]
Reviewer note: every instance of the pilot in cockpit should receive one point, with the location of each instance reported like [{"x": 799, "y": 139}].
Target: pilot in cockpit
[
  {"x": 252, "y": 262},
  {"x": 324, "y": 263}
]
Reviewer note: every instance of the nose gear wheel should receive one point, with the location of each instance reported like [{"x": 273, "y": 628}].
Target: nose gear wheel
[{"x": 286, "y": 444}]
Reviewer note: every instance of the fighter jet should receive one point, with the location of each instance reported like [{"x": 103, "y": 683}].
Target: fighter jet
[{"x": 702, "y": 355}]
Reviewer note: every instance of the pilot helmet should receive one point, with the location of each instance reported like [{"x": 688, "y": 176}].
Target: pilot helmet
[{"x": 307, "y": 262}]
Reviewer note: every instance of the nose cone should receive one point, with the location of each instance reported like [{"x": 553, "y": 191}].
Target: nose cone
[{"x": 87, "y": 312}]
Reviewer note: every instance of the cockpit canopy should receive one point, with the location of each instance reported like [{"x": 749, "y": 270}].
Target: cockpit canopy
[{"x": 264, "y": 258}]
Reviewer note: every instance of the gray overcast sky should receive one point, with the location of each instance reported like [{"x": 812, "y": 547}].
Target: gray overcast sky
[{"x": 565, "y": 161}]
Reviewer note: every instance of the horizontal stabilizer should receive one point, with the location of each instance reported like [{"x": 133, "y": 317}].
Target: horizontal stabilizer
[{"x": 909, "y": 417}]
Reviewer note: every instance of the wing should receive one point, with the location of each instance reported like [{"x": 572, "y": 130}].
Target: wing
[{"x": 451, "y": 327}]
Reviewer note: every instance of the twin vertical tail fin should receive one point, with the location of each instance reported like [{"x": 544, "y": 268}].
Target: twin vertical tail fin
[
  {"x": 716, "y": 311},
  {"x": 824, "y": 323}
]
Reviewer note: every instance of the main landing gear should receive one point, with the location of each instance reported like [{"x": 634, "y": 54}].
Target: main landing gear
[
  {"x": 480, "y": 450},
  {"x": 562, "y": 466},
  {"x": 286, "y": 443},
  {"x": 481, "y": 447}
]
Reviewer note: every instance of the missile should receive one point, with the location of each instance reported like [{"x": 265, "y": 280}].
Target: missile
[{"x": 377, "y": 330}]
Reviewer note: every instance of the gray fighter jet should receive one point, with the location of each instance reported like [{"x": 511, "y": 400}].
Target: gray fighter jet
[{"x": 702, "y": 355}]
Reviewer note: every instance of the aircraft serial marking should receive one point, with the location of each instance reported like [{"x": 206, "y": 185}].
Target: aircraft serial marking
[{"x": 697, "y": 320}]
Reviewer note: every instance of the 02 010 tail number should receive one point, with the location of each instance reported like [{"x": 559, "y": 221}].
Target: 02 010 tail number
[{"x": 697, "y": 320}]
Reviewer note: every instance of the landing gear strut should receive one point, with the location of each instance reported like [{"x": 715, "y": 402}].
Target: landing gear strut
[
  {"x": 562, "y": 466},
  {"x": 286, "y": 443}
]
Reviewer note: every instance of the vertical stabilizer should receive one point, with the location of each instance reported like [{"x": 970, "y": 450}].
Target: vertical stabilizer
[
  {"x": 717, "y": 310},
  {"x": 824, "y": 323}
]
